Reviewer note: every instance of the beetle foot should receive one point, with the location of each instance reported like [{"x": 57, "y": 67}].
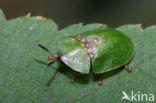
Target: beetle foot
[
  {"x": 100, "y": 82},
  {"x": 128, "y": 68},
  {"x": 73, "y": 79}
]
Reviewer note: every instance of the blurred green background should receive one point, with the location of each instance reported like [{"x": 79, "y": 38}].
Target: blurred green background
[{"x": 66, "y": 12}]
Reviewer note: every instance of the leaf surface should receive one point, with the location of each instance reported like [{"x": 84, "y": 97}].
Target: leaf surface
[{"x": 25, "y": 77}]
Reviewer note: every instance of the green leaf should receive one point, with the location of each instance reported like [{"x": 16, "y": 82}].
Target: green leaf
[
  {"x": 79, "y": 28},
  {"x": 2, "y": 17},
  {"x": 24, "y": 77}
]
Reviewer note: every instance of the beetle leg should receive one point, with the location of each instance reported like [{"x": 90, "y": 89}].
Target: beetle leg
[
  {"x": 100, "y": 82},
  {"x": 73, "y": 79},
  {"x": 128, "y": 68}
]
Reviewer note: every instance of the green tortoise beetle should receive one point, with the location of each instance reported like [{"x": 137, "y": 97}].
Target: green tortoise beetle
[{"x": 102, "y": 50}]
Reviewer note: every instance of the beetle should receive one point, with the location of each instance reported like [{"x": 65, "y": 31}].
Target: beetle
[{"x": 101, "y": 50}]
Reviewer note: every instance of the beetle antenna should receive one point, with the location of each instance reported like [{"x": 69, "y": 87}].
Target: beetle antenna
[
  {"x": 49, "y": 64},
  {"x": 44, "y": 48}
]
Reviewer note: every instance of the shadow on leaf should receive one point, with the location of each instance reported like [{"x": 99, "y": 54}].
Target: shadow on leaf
[
  {"x": 80, "y": 78},
  {"x": 84, "y": 78},
  {"x": 40, "y": 62}
]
